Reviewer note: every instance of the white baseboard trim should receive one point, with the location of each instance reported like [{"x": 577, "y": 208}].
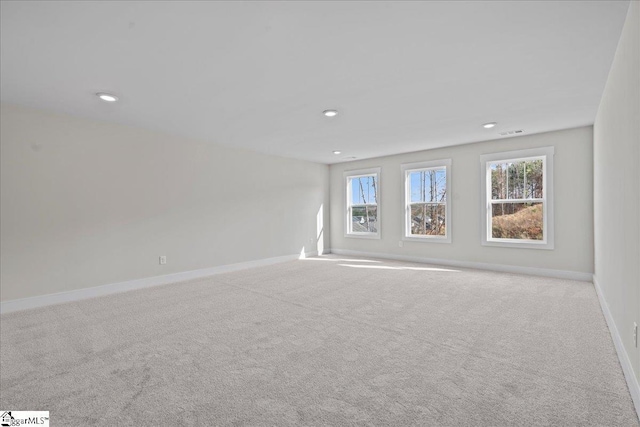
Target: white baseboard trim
[
  {"x": 627, "y": 368},
  {"x": 113, "y": 288},
  {"x": 533, "y": 271}
]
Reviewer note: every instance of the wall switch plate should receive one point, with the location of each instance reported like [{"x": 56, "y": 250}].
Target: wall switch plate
[
  {"x": 400, "y": 243},
  {"x": 635, "y": 334},
  {"x": 163, "y": 260}
]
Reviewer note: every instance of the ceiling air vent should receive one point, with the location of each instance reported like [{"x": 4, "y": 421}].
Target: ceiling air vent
[{"x": 511, "y": 132}]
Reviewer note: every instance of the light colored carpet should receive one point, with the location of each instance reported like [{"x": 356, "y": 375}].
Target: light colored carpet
[{"x": 322, "y": 341}]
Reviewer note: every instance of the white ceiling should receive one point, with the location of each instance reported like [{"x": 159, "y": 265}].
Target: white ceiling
[{"x": 405, "y": 76}]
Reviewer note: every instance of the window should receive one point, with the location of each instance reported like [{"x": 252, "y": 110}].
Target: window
[
  {"x": 427, "y": 201},
  {"x": 363, "y": 193},
  {"x": 517, "y": 205}
]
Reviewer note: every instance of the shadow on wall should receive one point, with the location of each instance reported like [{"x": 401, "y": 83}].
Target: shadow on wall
[
  {"x": 320, "y": 231},
  {"x": 319, "y": 241}
]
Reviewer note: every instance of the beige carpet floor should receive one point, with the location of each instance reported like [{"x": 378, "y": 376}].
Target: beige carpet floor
[{"x": 322, "y": 341}]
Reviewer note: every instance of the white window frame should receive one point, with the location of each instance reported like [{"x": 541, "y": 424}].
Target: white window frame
[
  {"x": 408, "y": 168},
  {"x": 546, "y": 155},
  {"x": 348, "y": 175}
]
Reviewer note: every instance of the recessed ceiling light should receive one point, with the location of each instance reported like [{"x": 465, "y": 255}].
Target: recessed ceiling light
[
  {"x": 337, "y": 152},
  {"x": 330, "y": 113},
  {"x": 489, "y": 125},
  {"x": 107, "y": 97}
]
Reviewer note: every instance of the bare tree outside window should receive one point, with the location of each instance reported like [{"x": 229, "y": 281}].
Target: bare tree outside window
[
  {"x": 363, "y": 204},
  {"x": 427, "y": 207}
]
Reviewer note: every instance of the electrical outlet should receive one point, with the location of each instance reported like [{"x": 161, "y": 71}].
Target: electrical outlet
[
  {"x": 163, "y": 260},
  {"x": 400, "y": 244},
  {"x": 635, "y": 334}
]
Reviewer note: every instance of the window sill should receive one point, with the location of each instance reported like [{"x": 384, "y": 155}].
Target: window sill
[
  {"x": 426, "y": 239},
  {"x": 522, "y": 244},
  {"x": 363, "y": 235}
]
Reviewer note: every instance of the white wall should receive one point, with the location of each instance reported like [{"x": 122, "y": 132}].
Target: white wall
[
  {"x": 573, "y": 204},
  {"x": 617, "y": 187},
  {"x": 87, "y": 203}
]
